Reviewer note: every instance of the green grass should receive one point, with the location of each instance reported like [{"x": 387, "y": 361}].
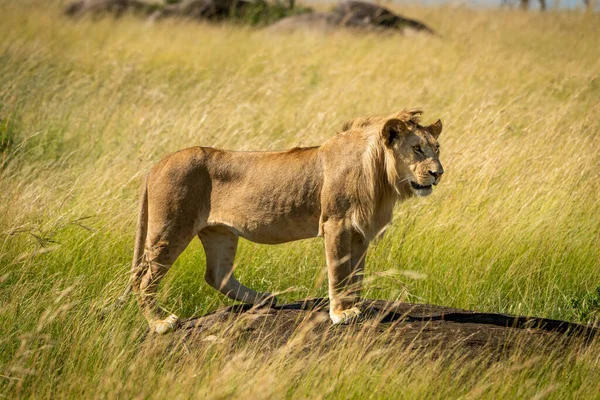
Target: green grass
[{"x": 88, "y": 106}]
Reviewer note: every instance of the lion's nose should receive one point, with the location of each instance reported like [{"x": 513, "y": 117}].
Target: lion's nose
[{"x": 436, "y": 174}]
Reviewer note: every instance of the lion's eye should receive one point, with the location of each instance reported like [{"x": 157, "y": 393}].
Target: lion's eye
[
  {"x": 437, "y": 150},
  {"x": 418, "y": 149}
]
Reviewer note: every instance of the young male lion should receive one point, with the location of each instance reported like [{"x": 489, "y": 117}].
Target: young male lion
[{"x": 343, "y": 191}]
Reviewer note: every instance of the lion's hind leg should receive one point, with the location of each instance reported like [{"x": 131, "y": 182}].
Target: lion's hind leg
[
  {"x": 158, "y": 257},
  {"x": 220, "y": 245}
]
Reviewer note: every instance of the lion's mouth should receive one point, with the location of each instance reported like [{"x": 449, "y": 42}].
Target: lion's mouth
[{"x": 416, "y": 186}]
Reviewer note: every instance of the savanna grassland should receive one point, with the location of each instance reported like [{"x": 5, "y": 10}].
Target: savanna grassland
[{"x": 86, "y": 107}]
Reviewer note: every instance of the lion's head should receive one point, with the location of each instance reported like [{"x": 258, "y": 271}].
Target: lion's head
[
  {"x": 413, "y": 150},
  {"x": 416, "y": 152}
]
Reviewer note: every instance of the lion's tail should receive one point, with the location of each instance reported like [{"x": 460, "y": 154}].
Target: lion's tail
[{"x": 140, "y": 238}]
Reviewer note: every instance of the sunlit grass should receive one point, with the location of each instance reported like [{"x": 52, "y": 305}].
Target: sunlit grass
[{"x": 513, "y": 227}]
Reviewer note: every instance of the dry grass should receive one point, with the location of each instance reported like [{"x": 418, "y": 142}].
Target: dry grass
[{"x": 87, "y": 106}]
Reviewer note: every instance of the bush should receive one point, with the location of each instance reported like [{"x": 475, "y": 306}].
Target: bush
[
  {"x": 261, "y": 12},
  {"x": 587, "y": 307}
]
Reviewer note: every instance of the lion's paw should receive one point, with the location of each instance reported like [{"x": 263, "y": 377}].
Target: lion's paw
[
  {"x": 166, "y": 325},
  {"x": 344, "y": 316}
]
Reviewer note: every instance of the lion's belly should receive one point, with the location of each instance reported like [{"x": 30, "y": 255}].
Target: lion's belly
[
  {"x": 280, "y": 231},
  {"x": 256, "y": 225},
  {"x": 268, "y": 217}
]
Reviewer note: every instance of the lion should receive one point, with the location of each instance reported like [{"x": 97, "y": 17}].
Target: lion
[{"x": 343, "y": 191}]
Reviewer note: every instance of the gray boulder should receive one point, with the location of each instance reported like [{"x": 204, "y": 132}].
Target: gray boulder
[
  {"x": 112, "y": 7},
  {"x": 192, "y": 9},
  {"x": 213, "y": 10},
  {"x": 353, "y": 14}
]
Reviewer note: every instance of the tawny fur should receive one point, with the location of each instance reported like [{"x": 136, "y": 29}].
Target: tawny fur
[{"x": 343, "y": 190}]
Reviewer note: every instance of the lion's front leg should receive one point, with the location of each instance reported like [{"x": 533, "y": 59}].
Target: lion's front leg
[
  {"x": 338, "y": 248},
  {"x": 360, "y": 246}
]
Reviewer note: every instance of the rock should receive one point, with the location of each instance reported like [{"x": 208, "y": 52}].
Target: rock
[
  {"x": 363, "y": 14},
  {"x": 212, "y": 10},
  {"x": 191, "y": 9},
  {"x": 352, "y": 14},
  {"x": 419, "y": 326},
  {"x": 114, "y": 7},
  {"x": 349, "y": 14},
  {"x": 311, "y": 21}
]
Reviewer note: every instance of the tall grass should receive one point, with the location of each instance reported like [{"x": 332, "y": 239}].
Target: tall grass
[{"x": 87, "y": 106}]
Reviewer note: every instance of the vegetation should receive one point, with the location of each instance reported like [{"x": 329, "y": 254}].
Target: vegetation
[
  {"x": 88, "y": 106},
  {"x": 262, "y": 13}
]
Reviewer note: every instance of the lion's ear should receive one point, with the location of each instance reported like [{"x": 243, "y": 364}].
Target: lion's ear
[
  {"x": 393, "y": 129},
  {"x": 435, "y": 129}
]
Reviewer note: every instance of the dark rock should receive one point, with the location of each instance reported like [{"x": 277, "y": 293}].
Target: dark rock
[
  {"x": 213, "y": 10},
  {"x": 192, "y": 9},
  {"x": 310, "y": 21},
  {"x": 363, "y": 14},
  {"x": 112, "y": 7},
  {"x": 353, "y": 14},
  {"x": 420, "y": 326},
  {"x": 350, "y": 14}
]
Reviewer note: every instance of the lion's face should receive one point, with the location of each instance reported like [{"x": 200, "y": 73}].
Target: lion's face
[{"x": 416, "y": 150}]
